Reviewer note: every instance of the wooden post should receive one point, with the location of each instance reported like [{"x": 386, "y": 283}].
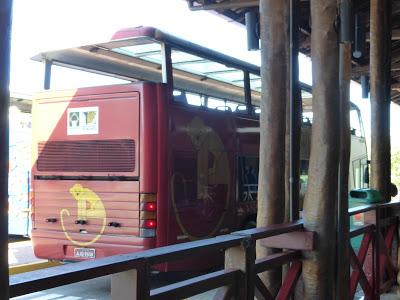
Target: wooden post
[
  {"x": 132, "y": 284},
  {"x": 380, "y": 64},
  {"x": 321, "y": 197},
  {"x": 5, "y": 44},
  {"x": 242, "y": 257},
  {"x": 271, "y": 193},
  {"x": 124, "y": 284},
  {"x": 343, "y": 226}
]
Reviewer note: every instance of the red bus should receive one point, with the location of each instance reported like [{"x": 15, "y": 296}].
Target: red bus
[{"x": 170, "y": 157}]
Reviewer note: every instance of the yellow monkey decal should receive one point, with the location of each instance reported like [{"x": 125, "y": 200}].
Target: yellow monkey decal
[{"x": 89, "y": 206}]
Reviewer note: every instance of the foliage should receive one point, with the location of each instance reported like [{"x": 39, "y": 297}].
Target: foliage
[{"x": 396, "y": 169}]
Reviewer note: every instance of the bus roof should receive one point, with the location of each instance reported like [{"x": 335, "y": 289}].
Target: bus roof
[{"x": 137, "y": 54}]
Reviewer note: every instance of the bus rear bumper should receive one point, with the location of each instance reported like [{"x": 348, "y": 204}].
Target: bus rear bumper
[{"x": 56, "y": 246}]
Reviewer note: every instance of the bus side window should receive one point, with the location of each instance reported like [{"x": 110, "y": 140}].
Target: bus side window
[
  {"x": 184, "y": 97},
  {"x": 247, "y": 179},
  {"x": 180, "y": 96}
]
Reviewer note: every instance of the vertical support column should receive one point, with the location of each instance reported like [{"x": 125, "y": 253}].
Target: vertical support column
[
  {"x": 321, "y": 197},
  {"x": 343, "y": 240},
  {"x": 5, "y": 44},
  {"x": 134, "y": 282},
  {"x": 380, "y": 64},
  {"x": 243, "y": 258},
  {"x": 272, "y": 123},
  {"x": 343, "y": 226},
  {"x": 295, "y": 113},
  {"x": 123, "y": 284}
]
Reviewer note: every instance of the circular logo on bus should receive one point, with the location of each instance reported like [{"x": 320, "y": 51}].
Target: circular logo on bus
[{"x": 200, "y": 185}]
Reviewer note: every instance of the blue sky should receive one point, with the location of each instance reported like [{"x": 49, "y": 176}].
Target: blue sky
[{"x": 40, "y": 25}]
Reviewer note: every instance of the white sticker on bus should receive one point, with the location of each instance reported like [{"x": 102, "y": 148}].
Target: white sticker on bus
[{"x": 83, "y": 120}]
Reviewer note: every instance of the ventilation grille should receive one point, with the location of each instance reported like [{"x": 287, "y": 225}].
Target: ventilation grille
[{"x": 87, "y": 156}]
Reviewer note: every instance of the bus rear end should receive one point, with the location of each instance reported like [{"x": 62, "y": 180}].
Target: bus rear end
[{"x": 87, "y": 199}]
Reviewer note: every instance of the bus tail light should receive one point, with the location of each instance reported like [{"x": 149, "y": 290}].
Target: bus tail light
[
  {"x": 149, "y": 224},
  {"x": 150, "y": 206},
  {"x": 148, "y": 215}
]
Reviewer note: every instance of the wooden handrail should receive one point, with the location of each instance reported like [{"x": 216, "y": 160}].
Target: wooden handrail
[
  {"x": 35, "y": 281},
  {"x": 272, "y": 230},
  {"x": 362, "y": 209},
  {"x": 371, "y": 207}
]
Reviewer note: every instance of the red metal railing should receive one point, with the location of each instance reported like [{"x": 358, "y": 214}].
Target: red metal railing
[{"x": 374, "y": 267}]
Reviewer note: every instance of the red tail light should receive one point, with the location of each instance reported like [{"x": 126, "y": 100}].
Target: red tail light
[
  {"x": 150, "y": 206},
  {"x": 149, "y": 224}
]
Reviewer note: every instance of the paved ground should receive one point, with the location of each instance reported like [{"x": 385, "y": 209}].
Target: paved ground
[
  {"x": 96, "y": 289},
  {"x": 20, "y": 253}
]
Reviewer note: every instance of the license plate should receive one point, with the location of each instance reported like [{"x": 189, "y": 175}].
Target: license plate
[{"x": 85, "y": 252}]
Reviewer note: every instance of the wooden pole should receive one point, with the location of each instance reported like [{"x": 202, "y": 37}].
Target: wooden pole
[
  {"x": 5, "y": 44},
  {"x": 321, "y": 197},
  {"x": 343, "y": 226},
  {"x": 380, "y": 62},
  {"x": 295, "y": 112},
  {"x": 271, "y": 193}
]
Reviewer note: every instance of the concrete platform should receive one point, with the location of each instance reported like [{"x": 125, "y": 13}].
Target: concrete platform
[{"x": 20, "y": 253}]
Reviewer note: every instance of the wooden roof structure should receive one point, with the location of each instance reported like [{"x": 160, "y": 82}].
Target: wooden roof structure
[{"x": 236, "y": 10}]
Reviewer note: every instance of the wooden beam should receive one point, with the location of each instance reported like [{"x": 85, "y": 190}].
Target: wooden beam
[
  {"x": 395, "y": 86},
  {"x": 395, "y": 35},
  {"x": 299, "y": 240},
  {"x": 319, "y": 267},
  {"x": 5, "y": 44},
  {"x": 362, "y": 70}
]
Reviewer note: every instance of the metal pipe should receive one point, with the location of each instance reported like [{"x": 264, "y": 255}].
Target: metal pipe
[
  {"x": 359, "y": 36},
  {"x": 365, "y": 86},
  {"x": 166, "y": 64},
  {"x": 247, "y": 92},
  {"x": 346, "y": 20},
  {"x": 5, "y": 45},
  {"x": 47, "y": 73},
  {"x": 253, "y": 39},
  {"x": 295, "y": 113}
]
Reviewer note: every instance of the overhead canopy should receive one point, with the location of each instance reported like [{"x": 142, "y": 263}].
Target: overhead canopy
[
  {"x": 236, "y": 10},
  {"x": 137, "y": 54}
]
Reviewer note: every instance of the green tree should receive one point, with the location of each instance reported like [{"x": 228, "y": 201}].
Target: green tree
[{"x": 396, "y": 169}]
